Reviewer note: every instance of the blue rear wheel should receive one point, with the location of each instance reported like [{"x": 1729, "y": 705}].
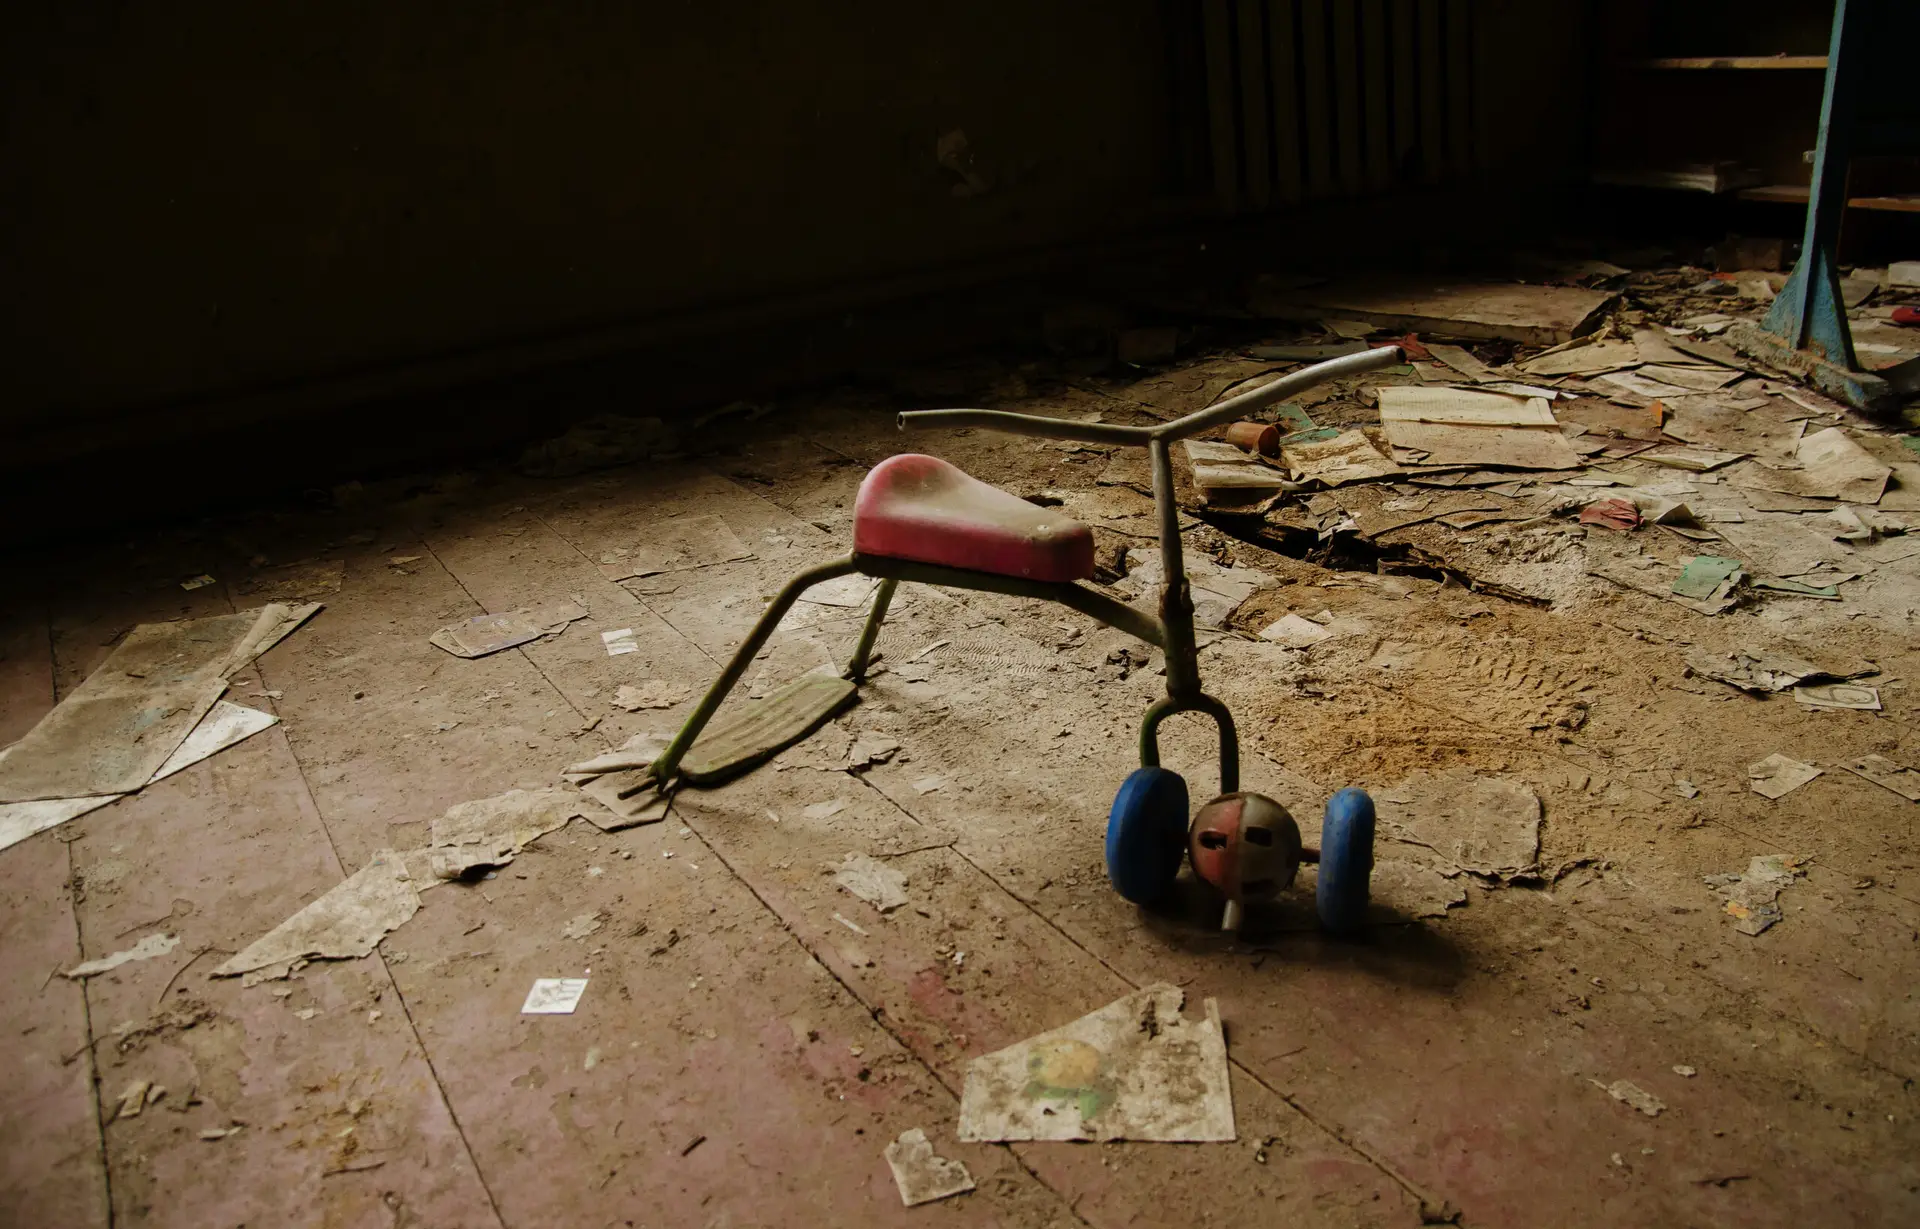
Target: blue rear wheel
[
  {"x": 1346, "y": 862},
  {"x": 1147, "y": 834}
]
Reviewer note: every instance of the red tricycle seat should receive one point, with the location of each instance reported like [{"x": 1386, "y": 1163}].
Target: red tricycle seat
[{"x": 923, "y": 509}]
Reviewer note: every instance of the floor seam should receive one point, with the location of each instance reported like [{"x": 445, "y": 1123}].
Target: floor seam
[
  {"x": 426, "y": 1054},
  {"x": 520, "y": 649},
  {"x": 93, "y": 1060},
  {"x": 876, "y": 1013},
  {"x": 1339, "y": 1137}
]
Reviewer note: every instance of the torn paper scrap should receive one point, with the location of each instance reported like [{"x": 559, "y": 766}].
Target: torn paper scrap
[
  {"x": 1831, "y": 466},
  {"x": 490, "y": 633},
  {"x": 650, "y": 693},
  {"x": 20, "y": 820},
  {"x": 1753, "y": 897},
  {"x": 631, "y": 797},
  {"x": 921, "y": 1175},
  {"x": 497, "y": 828},
  {"x": 637, "y": 752},
  {"x": 224, "y": 725},
  {"x": 1629, "y": 1093},
  {"x": 133, "y": 1099},
  {"x": 872, "y": 881},
  {"x": 1884, "y": 772},
  {"x": 1838, "y": 695},
  {"x": 1484, "y": 825},
  {"x": 619, "y": 641},
  {"x": 554, "y": 996},
  {"x": 344, "y": 923},
  {"x": 1763, "y": 670},
  {"x": 146, "y": 949},
  {"x": 872, "y": 747},
  {"x": 1294, "y": 632},
  {"x": 1347, "y": 457},
  {"x": 108, "y": 737},
  {"x": 1135, "y": 1069},
  {"x": 1707, "y": 577},
  {"x": 1777, "y": 776}
]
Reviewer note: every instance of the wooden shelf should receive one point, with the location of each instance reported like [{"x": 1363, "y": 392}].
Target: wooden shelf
[
  {"x": 1796, "y": 194},
  {"x": 1707, "y": 62}
]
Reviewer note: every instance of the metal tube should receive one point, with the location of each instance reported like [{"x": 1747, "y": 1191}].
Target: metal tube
[
  {"x": 1176, "y": 596},
  {"x": 1089, "y": 602},
  {"x": 1028, "y": 424},
  {"x": 1166, "y": 707},
  {"x": 663, "y": 768},
  {"x": 1278, "y": 390},
  {"x": 862, "y": 652}
]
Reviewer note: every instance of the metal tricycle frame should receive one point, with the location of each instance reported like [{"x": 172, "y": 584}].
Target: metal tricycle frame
[{"x": 1171, "y": 630}]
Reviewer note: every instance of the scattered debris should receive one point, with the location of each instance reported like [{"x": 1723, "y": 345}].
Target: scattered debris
[
  {"x": 1684, "y": 1071},
  {"x": 1708, "y": 578},
  {"x": 1227, "y": 476},
  {"x": 1452, "y": 426},
  {"x": 650, "y": 693},
  {"x": 1629, "y": 1093},
  {"x": 1884, "y": 772},
  {"x": 554, "y": 996},
  {"x": 1294, "y": 632},
  {"x": 146, "y": 949},
  {"x": 1483, "y": 825},
  {"x": 677, "y": 544},
  {"x": 1348, "y": 457},
  {"x": 926, "y": 785},
  {"x": 1752, "y": 898},
  {"x": 1765, "y": 670},
  {"x": 1777, "y": 776},
  {"x": 581, "y": 925},
  {"x": 489, "y": 832},
  {"x": 197, "y": 582},
  {"x": 1619, "y": 514},
  {"x": 133, "y": 1099},
  {"x": 490, "y": 633},
  {"x": 872, "y": 748},
  {"x": 345, "y": 922},
  {"x": 1830, "y": 466},
  {"x": 224, "y": 725},
  {"x": 116, "y": 730},
  {"x": 1838, "y": 695},
  {"x": 1135, "y": 1069},
  {"x": 921, "y": 1175},
  {"x": 619, "y": 641},
  {"x": 872, "y": 881}
]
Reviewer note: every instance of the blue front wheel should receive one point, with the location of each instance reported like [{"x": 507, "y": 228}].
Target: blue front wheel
[
  {"x": 1147, "y": 834},
  {"x": 1346, "y": 862}
]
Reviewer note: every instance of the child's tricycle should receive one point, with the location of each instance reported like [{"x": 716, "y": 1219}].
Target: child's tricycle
[{"x": 920, "y": 519}]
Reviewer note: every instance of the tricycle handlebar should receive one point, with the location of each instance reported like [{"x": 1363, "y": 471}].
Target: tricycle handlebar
[{"x": 1180, "y": 428}]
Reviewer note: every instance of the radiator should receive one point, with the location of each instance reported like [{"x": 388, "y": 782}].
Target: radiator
[{"x": 1323, "y": 99}]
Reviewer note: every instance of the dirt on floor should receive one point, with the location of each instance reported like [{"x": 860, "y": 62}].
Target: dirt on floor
[{"x": 1553, "y": 982}]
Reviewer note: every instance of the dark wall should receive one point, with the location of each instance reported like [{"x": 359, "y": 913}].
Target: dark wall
[{"x": 207, "y": 198}]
